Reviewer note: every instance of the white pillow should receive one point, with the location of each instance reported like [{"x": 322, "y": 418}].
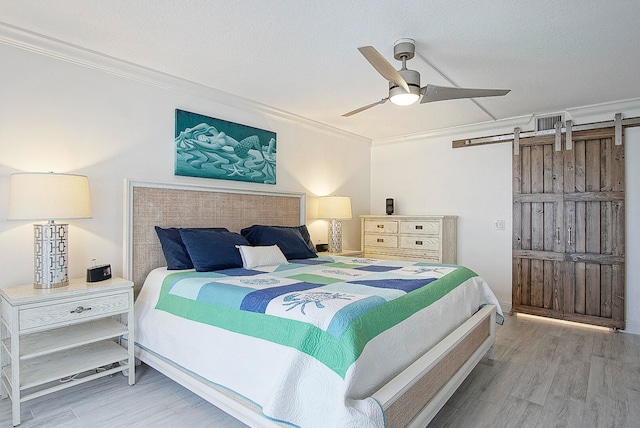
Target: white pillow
[{"x": 253, "y": 257}]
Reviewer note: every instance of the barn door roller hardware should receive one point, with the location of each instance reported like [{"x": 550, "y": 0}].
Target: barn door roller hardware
[
  {"x": 618, "y": 123},
  {"x": 568, "y": 135},
  {"x": 558, "y": 144}
]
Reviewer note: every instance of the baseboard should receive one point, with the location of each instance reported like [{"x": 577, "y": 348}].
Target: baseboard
[
  {"x": 506, "y": 307},
  {"x": 632, "y": 327}
]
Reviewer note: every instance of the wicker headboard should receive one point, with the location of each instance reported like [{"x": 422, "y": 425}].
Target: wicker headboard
[{"x": 172, "y": 205}]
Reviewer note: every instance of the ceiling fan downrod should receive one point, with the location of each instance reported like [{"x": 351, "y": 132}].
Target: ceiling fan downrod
[{"x": 403, "y": 50}]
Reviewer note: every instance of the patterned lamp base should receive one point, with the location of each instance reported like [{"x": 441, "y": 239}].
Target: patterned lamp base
[
  {"x": 335, "y": 236},
  {"x": 50, "y": 255}
]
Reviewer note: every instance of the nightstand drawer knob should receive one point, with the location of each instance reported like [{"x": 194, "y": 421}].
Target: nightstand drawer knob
[{"x": 80, "y": 309}]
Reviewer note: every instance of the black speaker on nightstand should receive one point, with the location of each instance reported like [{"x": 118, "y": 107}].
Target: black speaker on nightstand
[
  {"x": 389, "y": 206},
  {"x": 98, "y": 273}
]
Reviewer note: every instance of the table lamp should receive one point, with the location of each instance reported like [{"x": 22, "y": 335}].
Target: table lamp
[
  {"x": 334, "y": 209},
  {"x": 49, "y": 196}
]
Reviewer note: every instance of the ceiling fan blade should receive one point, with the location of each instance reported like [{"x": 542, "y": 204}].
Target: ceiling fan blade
[
  {"x": 383, "y": 67},
  {"x": 433, "y": 93},
  {"x": 358, "y": 110}
]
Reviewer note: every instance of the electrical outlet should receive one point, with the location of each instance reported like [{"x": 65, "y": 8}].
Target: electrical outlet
[{"x": 498, "y": 225}]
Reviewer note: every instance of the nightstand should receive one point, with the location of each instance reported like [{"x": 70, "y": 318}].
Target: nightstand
[
  {"x": 345, "y": 253},
  {"x": 69, "y": 333}
]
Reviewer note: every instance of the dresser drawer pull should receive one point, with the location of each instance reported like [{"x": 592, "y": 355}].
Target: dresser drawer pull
[
  {"x": 380, "y": 226},
  {"x": 418, "y": 242},
  {"x": 380, "y": 240},
  {"x": 80, "y": 309},
  {"x": 419, "y": 227}
]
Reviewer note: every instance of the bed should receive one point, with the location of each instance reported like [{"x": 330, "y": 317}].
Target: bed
[{"x": 266, "y": 374}]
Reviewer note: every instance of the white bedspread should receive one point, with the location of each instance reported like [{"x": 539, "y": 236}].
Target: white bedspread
[{"x": 289, "y": 385}]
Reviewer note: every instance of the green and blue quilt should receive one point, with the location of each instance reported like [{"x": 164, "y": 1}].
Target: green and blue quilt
[{"x": 327, "y": 308}]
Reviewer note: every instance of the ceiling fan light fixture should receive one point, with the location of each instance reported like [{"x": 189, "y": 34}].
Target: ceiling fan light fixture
[
  {"x": 398, "y": 95},
  {"x": 404, "y": 99}
]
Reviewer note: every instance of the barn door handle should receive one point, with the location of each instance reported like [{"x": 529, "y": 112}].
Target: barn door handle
[
  {"x": 569, "y": 241},
  {"x": 557, "y": 235}
]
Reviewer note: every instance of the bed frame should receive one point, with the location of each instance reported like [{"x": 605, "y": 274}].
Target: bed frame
[{"x": 411, "y": 399}]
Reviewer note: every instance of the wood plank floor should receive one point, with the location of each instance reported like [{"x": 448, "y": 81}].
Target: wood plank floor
[{"x": 545, "y": 374}]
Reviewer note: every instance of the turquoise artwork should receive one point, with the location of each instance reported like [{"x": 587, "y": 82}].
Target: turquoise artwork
[{"x": 214, "y": 148}]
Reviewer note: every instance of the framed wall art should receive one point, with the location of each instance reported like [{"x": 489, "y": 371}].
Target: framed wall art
[{"x": 214, "y": 148}]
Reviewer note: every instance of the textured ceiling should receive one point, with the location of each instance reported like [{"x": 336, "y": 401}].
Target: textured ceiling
[{"x": 300, "y": 56}]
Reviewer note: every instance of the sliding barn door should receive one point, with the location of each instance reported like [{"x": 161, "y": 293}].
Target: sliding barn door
[
  {"x": 595, "y": 230},
  {"x": 568, "y": 220},
  {"x": 538, "y": 224}
]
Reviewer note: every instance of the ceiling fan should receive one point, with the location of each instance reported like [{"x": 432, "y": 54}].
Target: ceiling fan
[{"x": 404, "y": 84}]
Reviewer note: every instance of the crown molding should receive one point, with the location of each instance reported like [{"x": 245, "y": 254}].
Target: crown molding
[
  {"x": 509, "y": 123},
  {"x": 580, "y": 115},
  {"x": 54, "y": 48},
  {"x": 57, "y": 49},
  {"x": 630, "y": 107}
]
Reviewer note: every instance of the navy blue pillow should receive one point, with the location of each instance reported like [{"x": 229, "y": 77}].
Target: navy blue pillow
[
  {"x": 289, "y": 239},
  {"x": 210, "y": 250},
  {"x": 175, "y": 253},
  {"x": 305, "y": 235}
]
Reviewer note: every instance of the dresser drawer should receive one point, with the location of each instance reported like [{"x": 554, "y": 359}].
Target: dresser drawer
[
  {"x": 69, "y": 311},
  {"x": 381, "y": 226},
  {"x": 380, "y": 241},
  {"x": 420, "y": 243},
  {"x": 403, "y": 254},
  {"x": 420, "y": 227}
]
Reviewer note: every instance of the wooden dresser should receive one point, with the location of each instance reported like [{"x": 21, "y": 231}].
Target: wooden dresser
[{"x": 429, "y": 238}]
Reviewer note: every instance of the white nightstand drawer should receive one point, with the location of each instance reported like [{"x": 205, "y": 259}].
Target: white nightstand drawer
[
  {"x": 382, "y": 226},
  {"x": 73, "y": 310},
  {"x": 381, "y": 241},
  {"x": 420, "y": 243},
  {"x": 420, "y": 227}
]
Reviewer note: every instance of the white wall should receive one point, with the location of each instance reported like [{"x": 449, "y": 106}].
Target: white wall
[
  {"x": 632, "y": 158},
  {"x": 426, "y": 176},
  {"x": 56, "y": 115}
]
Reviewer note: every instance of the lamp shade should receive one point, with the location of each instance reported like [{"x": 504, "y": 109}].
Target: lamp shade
[
  {"x": 48, "y": 196},
  {"x": 334, "y": 207}
]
